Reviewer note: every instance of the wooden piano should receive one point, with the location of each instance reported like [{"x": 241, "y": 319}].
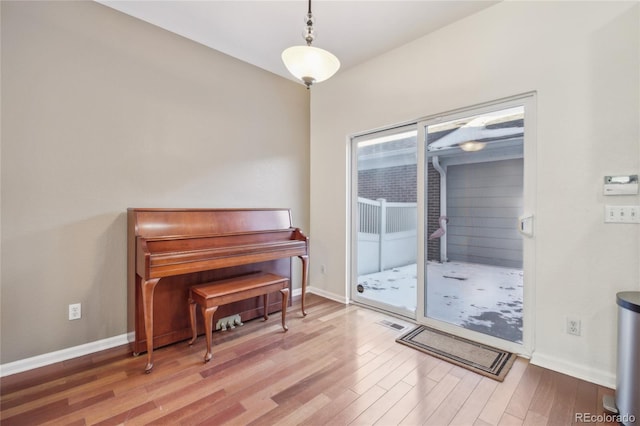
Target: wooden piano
[{"x": 169, "y": 250}]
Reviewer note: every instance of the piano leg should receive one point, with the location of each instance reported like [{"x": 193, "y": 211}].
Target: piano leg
[
  {"x": 305, "y": 273},
  {"x": 285, "y": 300},
  {"x": 148, "y": 288}
]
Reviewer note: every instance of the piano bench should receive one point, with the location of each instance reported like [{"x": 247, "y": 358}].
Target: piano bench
[{"x": 213, "y": 294}]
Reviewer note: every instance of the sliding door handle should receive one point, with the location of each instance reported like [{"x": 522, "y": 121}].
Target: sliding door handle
[{"x": 525, "y": 225}]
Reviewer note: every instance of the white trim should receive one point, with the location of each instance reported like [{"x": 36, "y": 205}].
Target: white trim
[
  {"x": 584, "y": 372},
  {"x": 327, "y": 295},
  {"x": 422, "y": 177},
  {"x": 63, "y": 355}
]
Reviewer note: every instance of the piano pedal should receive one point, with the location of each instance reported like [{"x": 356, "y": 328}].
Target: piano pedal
[{"x": 229, "y": 322}]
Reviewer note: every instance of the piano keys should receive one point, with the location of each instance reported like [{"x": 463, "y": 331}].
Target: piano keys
[{"x": 170, "y": 250}]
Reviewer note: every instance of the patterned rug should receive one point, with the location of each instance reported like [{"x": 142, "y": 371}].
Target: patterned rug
[{"x": 482, "y": 359}]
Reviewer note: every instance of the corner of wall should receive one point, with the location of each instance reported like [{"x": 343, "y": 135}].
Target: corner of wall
[
  {"x": 580, "y": 371},
  {"x": 328, "y": 295}
]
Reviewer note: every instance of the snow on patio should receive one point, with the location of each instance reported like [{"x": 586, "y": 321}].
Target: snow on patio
[{"x": 483, "y": 298}]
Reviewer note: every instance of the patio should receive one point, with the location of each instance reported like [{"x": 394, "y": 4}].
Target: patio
[{"x": 487, "y": 299}]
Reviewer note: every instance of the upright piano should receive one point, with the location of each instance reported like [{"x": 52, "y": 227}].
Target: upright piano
[{"x": 169, "y": 250}]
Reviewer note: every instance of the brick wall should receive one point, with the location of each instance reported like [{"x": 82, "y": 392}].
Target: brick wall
[
  {"x": 394, "y": 184},
  {"x": 433, "y": 212}
]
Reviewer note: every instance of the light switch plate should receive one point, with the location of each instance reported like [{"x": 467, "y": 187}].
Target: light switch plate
[{"x": 622, "y": 214}]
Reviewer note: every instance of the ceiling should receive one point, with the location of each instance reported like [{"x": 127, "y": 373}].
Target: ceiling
[{"x": 258, "y": 31}]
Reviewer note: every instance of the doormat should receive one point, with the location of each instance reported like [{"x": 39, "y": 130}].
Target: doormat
[{"x": 482, "y": 359}]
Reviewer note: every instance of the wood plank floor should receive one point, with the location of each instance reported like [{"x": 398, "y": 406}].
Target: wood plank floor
[{"x": 337, "y": 366}]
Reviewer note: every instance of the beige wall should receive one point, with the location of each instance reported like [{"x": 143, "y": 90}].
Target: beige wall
[
  {"x": 582, "y": 59},
  {"x": 101, "y": 112}
]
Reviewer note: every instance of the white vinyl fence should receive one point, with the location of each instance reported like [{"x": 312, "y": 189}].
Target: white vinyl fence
[{"x": 387, "y": 235}]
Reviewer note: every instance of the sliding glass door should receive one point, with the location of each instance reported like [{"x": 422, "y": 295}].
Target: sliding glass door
[
  {"x": 442, "y": 222},
  {"x": 477, "y": 237},
  {"x": 384, "y": 220}
]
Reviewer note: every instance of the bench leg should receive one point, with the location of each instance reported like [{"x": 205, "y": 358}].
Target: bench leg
[
  {"x": 192, "y": 321},
  {"x": 285, "y": 299},
  {"x": 207, "y": 313}
]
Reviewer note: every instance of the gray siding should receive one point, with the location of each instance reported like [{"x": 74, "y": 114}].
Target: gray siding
[{"x": 484, "y": 201}]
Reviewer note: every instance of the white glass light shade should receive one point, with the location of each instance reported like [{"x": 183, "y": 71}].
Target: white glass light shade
[
  {"x": 310, "y": 64},
  {"x": 471, "y": 146}
]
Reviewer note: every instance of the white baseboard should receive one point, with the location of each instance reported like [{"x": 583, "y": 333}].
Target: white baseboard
[
  {"x": 327, "y": 295},
  {"x": 62, "y": 355},
  {"x": 599, "y": 377}
]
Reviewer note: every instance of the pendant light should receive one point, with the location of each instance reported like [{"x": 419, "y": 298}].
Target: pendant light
[{"x": 307, "y": 63}]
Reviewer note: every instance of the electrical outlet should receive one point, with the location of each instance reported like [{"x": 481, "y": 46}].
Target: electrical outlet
[
  {"x": 573, "y": 326},
  {"x": 75, "y": 311}
]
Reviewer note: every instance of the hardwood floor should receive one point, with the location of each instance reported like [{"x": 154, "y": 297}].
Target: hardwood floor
[{"x": 337, "y": 366}]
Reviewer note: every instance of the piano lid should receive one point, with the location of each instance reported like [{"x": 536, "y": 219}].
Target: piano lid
[{"x": 153, "y": 223}]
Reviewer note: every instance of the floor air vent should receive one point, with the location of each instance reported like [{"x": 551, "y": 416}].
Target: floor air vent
[{"x": 391, "y": 324}]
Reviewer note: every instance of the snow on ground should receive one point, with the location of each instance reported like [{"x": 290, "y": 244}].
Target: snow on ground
[{"x": 484, "y": 298}]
